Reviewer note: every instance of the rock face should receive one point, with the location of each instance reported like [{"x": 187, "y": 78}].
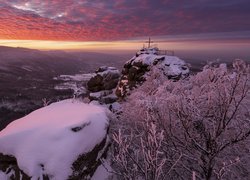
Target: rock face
[
  {"x": 64, "y": 140},
  {"x": 10, "y": 169},
  {"x": 135, "y": 70},
  {"x": 103, "y": 84},
  {"x": 106, "y": 78}
]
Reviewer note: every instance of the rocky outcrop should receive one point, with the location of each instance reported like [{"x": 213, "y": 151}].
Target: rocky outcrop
[
  {"x": 106, "y": 78},
  {"x": 102, "y": 85},
  {"x": 86, "y": 164},
  {"x": 64, "y": 140},
  {"x": 135, "y": 71},
  {"x": 82, "y": 168}
]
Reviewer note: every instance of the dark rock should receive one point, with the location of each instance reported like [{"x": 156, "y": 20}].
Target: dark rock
[
  {"x": 95, "y": 84},
  {"x": 106, "y": 78},
  {"x": 125, "y": 71},
  {"x": 140, "y": 64},
  {"x": 79, "y": 128},
  {"x": 9, "y": 163},
  {"x": 86, "y": 164},
  {"x": 110, "y": 81},
  {"x": 109, "y": 99},
  {"x": 101, "y": 69},
  {"x": 132, "y": 73},
  {"x": 128, "y": 64}
]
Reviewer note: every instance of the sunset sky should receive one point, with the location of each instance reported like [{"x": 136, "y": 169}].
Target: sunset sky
[{"x": 124, "y": 24}]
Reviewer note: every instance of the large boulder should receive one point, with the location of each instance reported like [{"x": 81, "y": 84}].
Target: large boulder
[
  {"x": 106, "y": 78},
  {"x": 103, "y": 84},
  {"x": 64, "y": 140},
  {"x": 135, "y": 70}
]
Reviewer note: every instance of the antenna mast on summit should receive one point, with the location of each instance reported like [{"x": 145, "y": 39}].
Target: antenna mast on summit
[{"x": 149, "y": 42}]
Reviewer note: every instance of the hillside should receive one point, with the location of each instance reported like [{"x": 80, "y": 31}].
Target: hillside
[{"x": 26, "y": 77}]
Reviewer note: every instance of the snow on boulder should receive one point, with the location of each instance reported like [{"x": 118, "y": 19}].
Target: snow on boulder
[
  {"x": 103, "y": 84},
  {"x": 106, "y": 78},
  {"x": 104, "y": 97},
  {"x": 64, "y": 140},
  {"x": 135, "y": 70}
]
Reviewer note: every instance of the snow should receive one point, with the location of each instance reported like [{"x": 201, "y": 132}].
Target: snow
[
  {"x": 96, "y": 95},
  {"x": 147, "y": 59},
  {"x": 115, "y": 107},
  {"x": 152, "y": 50},
  {"x": 76, "y": 77},
  {"x": 223, "y": 67},
  {"x": 103, "y": 171},
  {"x": 108, "y": 71},
  {"x": 4, "y": 176},
  {"x": 78, "y": 89},
  {"x": 10, "y": 173},
  {"x": 171, "y": 65},
  {"x": 174, "y": 66},
  {"x": 100, "y": 94},
  {"x": 77, "y": 82},
  {"x": 46, "y": 137},
  {"x": 112, "y": 95},
  {"x": 124, "y": 81},
  {"x": 27, "y": 68},
  {"x": 73, "y": 82}
]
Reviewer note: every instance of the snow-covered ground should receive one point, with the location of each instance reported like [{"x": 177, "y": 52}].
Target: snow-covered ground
[
  {"x": 4, "y": 176},
  {"x": 76, "y": 82},
  {"x": 105, "y": 70},
  {"x": 104, "y": 171},
  {"x": 76, "y": 77},
  {"x": 49, "y": 140}
]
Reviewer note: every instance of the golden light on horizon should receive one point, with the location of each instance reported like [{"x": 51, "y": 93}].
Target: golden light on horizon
[
  {"x": 93, "y": 45},
  {"x": 109, "y": 46},
  {"x": 131, "y": 46},
  {"x": 71, "y": 45}
]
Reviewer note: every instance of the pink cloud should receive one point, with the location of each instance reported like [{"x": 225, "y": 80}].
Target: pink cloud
[{"x": 113, "y": 20}]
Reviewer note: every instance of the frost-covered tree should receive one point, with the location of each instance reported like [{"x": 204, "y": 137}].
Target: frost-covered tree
[{"x": 198, "y": 127}]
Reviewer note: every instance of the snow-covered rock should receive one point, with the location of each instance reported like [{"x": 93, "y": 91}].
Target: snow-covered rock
[
  {"x": 106, "y": 78},
  {"x": 60, "y": 141},
  {"x": 135, "y": 70},
  {"x": 103, "y": 84},
  {"x": 151, "y": 50},
  {"x": 104, "y": 97}
]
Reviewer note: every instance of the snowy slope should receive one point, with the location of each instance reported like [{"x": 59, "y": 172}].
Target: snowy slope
[{"x": 50, "y": 139}]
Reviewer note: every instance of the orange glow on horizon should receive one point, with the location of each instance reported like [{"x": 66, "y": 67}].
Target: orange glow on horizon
[
  {"x": 129, "y": 45},
  {"x": 132, "y": 45},
  {"x": 71, "y": 45}
]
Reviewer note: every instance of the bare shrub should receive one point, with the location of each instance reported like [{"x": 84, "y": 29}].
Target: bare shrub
[
  {"x": 46, "y": 102},
  {"x": 196, "y": 127}
]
